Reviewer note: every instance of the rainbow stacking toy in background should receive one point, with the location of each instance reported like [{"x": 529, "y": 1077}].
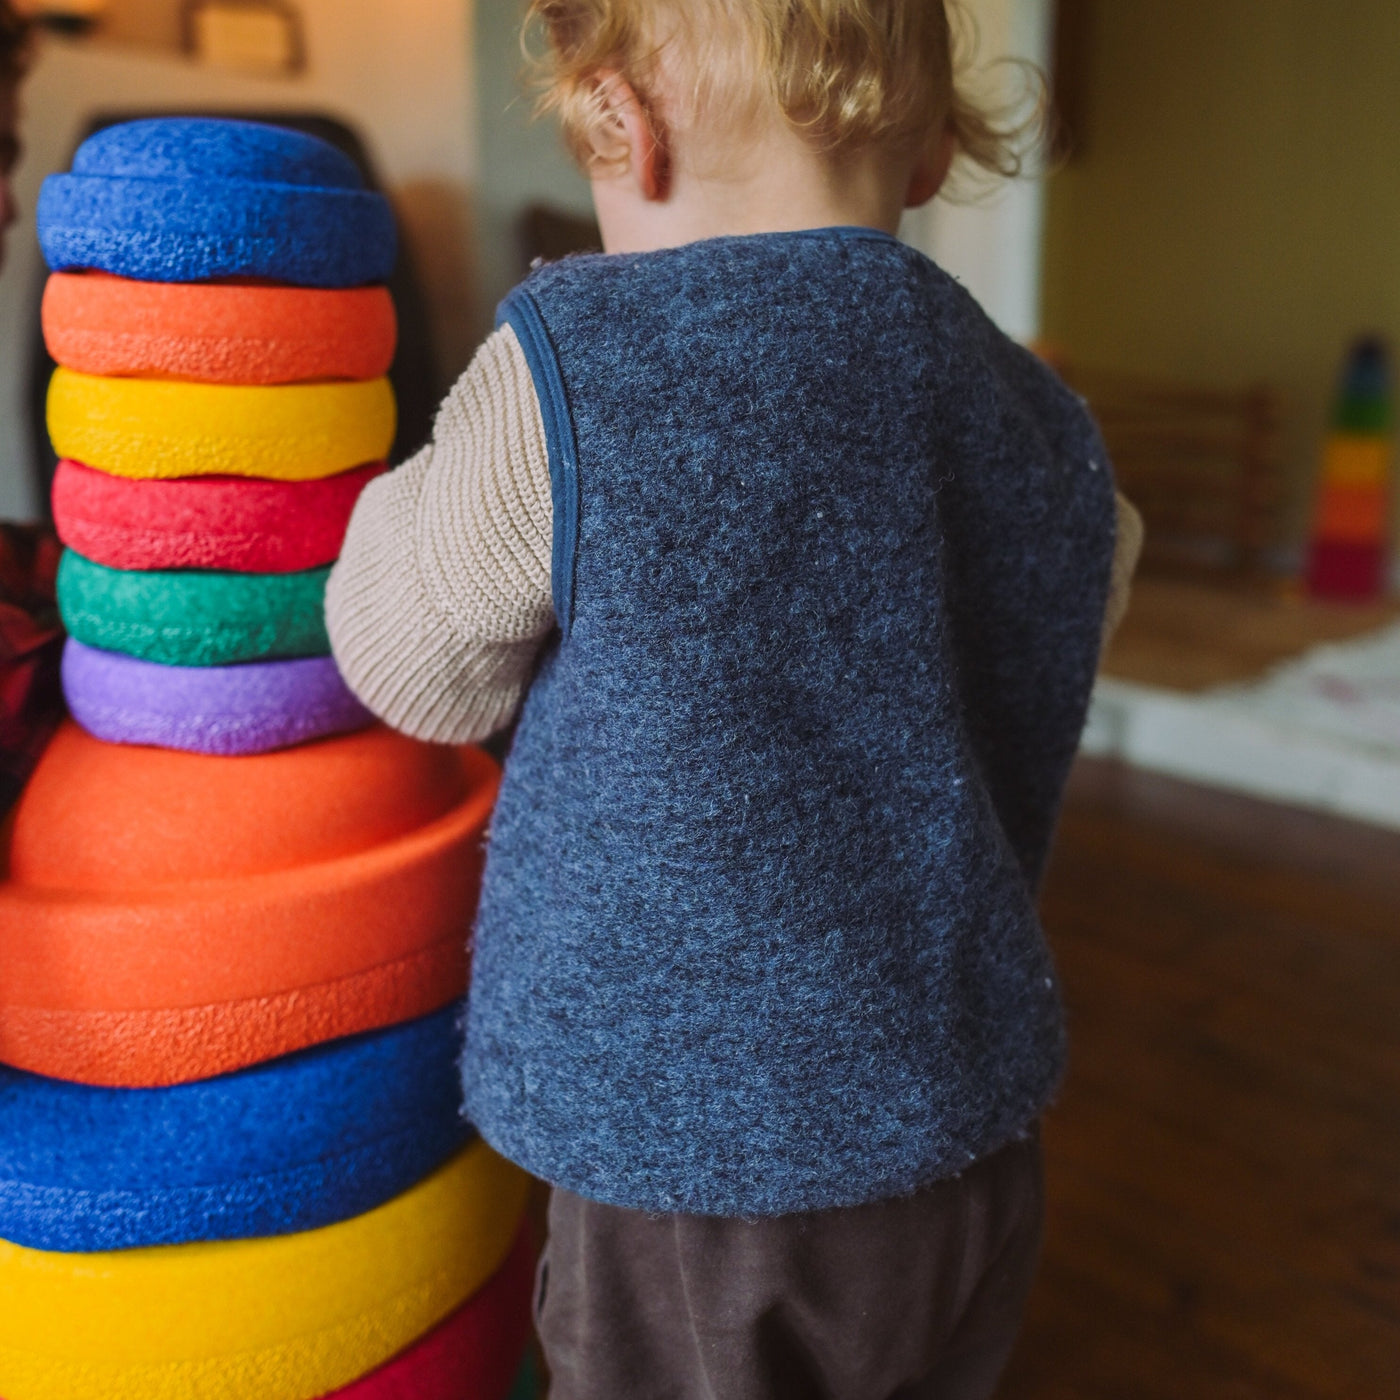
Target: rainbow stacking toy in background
[
  {"x": 1350, "y": 543},
  {"x": 234, "y": 912}
]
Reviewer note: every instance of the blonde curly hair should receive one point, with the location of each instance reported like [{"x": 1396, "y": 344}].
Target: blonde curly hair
[{"x": 846, "y": 73}]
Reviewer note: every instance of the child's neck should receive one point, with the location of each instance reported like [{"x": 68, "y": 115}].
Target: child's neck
[{"x": 777, "y": 184}]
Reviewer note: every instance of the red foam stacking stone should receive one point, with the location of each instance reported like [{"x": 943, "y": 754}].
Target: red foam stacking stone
[
  {"x": 474, "y": 1355},
  {"x": 217, "y": 332},
  {"x": 238, "y": 524},
  {"x": 166, "y": 917},
  {"x": 1347, "y": 571}
]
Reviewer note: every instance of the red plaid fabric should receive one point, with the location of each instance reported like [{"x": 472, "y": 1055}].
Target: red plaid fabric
[{"x": 31, "y": 645}]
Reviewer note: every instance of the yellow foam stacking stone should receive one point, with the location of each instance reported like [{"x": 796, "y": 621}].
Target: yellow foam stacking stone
[
  {"x": 289, "y": 1318},
  {"x": 162, "y": 429},
  {"x": 1356, "y": 461}
]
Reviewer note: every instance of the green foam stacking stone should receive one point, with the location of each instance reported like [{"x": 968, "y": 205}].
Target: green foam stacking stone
[
  {"x": 1365, "y": 402},
  {"x": 527, "y": 1382},
  {"x": 194, "y": 618}
]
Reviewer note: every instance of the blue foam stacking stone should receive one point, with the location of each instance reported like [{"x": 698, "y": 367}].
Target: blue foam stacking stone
[
  {"x": 189, "y": 199},
  {"x": 298, "y": 1143}
]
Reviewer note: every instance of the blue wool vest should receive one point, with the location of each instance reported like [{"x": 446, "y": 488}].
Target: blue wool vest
[{"x": 831, "y": 556}]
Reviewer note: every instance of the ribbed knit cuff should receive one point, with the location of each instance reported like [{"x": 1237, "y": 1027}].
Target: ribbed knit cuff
[
  {"x": 1126, "y": 552},
  {"x": 441, "y": 596}
]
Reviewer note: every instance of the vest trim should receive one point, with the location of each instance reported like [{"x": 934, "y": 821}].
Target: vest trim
[
  {"x": 520, "y": 312},
  {"x": 847, "y": 231}
]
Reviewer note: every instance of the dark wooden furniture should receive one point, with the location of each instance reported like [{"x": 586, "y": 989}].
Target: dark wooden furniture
[
  {"x": 547, "y": 233},
  {"x": 1200, "y": 464}
]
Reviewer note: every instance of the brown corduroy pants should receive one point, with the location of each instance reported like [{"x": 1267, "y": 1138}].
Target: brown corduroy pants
[{"x": 912, "y": 1299}]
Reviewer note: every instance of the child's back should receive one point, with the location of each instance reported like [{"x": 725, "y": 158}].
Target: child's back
[
  {"x": 758, "y": 933},
  {"x": 805, "y": 568}
]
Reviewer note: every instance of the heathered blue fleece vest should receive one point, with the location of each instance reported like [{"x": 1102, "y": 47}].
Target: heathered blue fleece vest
[{"x": 758, "y": 932}]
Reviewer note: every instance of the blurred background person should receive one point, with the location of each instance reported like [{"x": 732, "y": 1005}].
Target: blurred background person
[
  {"x": 31, "y": 638},
  {"x": 14, "y": 56}
]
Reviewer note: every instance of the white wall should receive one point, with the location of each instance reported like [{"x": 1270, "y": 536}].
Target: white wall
[
  {"x": 992, "y": 242},
  {"x": 401, "y": 73}
]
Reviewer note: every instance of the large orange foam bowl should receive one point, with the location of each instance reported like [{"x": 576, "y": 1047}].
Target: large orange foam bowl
[{"x": 166, "y": 917}]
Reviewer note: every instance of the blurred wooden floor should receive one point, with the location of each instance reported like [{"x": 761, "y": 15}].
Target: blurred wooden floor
[
  {"x": 1187, "y": 635},
  {"x": 1224, "y": 1165}
]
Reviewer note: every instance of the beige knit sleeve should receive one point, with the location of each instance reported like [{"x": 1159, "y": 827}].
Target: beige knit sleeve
[
  {"x": 1126, "y": 553},
  {"x": 441, "y": 597}
]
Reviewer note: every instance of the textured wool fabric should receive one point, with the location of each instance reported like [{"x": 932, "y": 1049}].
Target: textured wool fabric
[
  {"x": 193, "y": 618},
  {"x": 167, "y": 917},
  {"x": 212, "y": 522},
  {"x": 758, "y": 931},
  {"x": 437, "y": 625},
  {"x": 187, "y": 199},
  {"x": 475, "y": 1354},
  {"x": 301, "y": 1142},
  {"x": 219, "y": 333},
  {"x": 226, "y": 710},
  {"x": 288, "y": 1318},
  {"x": 158, "y": 428}
]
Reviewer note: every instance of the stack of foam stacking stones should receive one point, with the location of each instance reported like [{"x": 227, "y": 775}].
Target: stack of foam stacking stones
[
  {"x": 233, "y": 912},
  {"x": 1349, "y": 553}
]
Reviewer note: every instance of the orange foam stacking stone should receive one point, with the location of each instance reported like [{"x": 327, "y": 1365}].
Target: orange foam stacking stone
[
  {"x": 166, "y": 917},
  {"x": 1355, "y": 514},
  {"x": 217, "y": 333}
]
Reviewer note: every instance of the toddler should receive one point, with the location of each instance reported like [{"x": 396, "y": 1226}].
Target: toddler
[{"x": 801, "y": 570}]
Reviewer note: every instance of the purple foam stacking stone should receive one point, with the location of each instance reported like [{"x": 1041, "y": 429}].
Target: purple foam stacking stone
[{"x": 223, "y": 710}]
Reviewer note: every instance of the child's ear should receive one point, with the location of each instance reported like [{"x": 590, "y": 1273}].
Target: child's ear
[
  {"x": 932, "y": 170},
  {"x": 629, "y": 139}
]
